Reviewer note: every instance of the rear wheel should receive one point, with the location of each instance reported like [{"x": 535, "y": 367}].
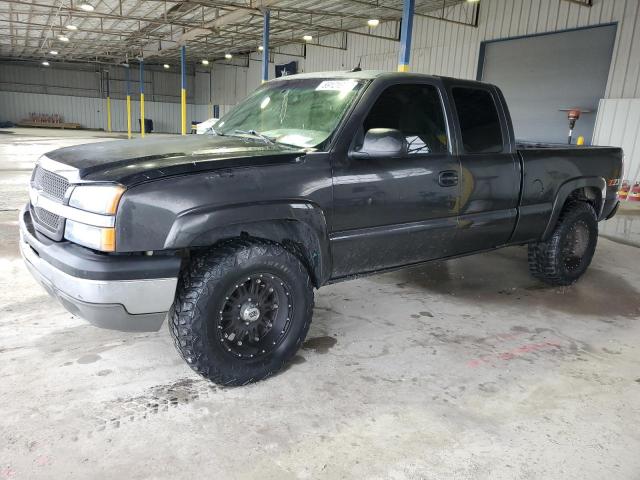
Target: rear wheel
[
  {"x": 242, "y": 311},
  {"x": 567, "y": 254}
]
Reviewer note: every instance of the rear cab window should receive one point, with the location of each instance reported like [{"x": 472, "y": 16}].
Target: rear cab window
[{"x": 479, "y": 120}]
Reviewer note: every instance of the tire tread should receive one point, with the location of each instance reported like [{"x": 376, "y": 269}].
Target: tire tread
[{"x": 196, "y": 283}]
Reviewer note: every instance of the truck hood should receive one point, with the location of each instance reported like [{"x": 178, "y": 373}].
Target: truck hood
[{"x": 134, "y": 161}]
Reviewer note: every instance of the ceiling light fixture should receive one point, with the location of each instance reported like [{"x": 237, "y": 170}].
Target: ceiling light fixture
[
  {"x": 45, "y": 63},
  {"x": 166, "y": 66},
  {"x": 260, "y": 48},
  {"x": 307, "y": 38},
  {"x": 205, "y": 62},
  {"x": 71, "y": 27},
  {"x": 53, "y": 52},
  {"x": 86, "y": 7},
  {"x": 374, "y": 22},
  {"x": 63, "y": 38},
  {"x": 228, "y": 56}
]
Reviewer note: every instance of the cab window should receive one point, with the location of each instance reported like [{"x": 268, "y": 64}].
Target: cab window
[{"x": 415, "y": 110}]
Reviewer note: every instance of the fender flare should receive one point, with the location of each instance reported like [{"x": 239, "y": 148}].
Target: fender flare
[
  {"x": 303, "y": 223},
  {"x": 565, "y": 190}
]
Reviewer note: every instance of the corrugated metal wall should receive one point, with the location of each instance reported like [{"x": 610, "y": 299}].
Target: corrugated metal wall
[
  {"x": 618, "y": 123},
  {"x": 91, "y": 112},
  {"x": 444, "y": 48},
  {"x": 75, "y": 93}
]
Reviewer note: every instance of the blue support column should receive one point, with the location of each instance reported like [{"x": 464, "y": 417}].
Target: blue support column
[
  {"x": 265, "y": 46},
  {"x": 405, "y": 36},
  {"x": 183, "y": 90}
]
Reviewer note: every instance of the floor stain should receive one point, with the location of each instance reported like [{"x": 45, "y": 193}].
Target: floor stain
[
  {"x": 505, "y": 280},
  {"x": 92, "y": 357},
  {"x": 319, "y": 344}
]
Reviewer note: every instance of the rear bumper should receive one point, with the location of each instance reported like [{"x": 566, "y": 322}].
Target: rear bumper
[{"x": 103, "y": 293}]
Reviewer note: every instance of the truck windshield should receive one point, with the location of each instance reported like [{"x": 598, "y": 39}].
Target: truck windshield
[{"x": 303, "y": 112}]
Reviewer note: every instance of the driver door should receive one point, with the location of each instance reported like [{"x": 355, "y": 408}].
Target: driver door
[{"x": 391, "y": 212}]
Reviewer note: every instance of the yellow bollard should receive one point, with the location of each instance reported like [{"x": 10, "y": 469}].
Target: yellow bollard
[
  {"x": 183, "y": 111},
  {"x": 142, "y": 115},
  {"x": 580, "y": 140}
]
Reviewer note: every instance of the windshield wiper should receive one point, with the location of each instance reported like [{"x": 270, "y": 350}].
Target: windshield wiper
[{"x": 257, "y": 134}]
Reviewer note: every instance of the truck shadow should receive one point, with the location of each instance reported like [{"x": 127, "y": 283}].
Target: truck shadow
[{"x": 501, "y": 277}]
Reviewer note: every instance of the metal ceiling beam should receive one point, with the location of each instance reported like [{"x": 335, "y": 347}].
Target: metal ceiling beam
[
  {"x": 131, "y": 29},
  {"x": 82, "y": 14}
]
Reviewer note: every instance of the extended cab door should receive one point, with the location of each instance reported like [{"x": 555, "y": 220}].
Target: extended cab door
[
  {"x": 395, "y": 211},
  {"x": 490, "y": 180}
]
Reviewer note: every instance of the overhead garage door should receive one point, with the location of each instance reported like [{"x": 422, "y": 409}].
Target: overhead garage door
[{"x": 542, "y": 74}]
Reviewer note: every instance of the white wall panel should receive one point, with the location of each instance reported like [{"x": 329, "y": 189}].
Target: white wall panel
[
  {"x": 618, "y": 123},
  {"x": 444, "y": 48},
  {"x": 91, "y": 112}
]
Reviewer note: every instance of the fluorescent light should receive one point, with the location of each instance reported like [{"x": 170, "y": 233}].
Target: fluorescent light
[
  {"x": 63, "y": 38},
  {"x": 71, "y": 27},
  {"x": 205, "y": 62},
  {"x": 166, "y": 66},
  {"x": 260, "y": 48},
  {"x": 228, "y": 56},
  {"x": 45, "y": 63},
  {"x": 307, "y": 38},
  {"x": 53, "y": 52},
  {"x": 473, "y": 1},
  {"x": 374, "y": 22},
  {"x": 86, "y": 7}
]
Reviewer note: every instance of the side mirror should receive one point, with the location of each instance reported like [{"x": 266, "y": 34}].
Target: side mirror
[{"x": 382, "y": 143}]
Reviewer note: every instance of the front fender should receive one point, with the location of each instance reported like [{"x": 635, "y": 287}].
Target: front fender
[{"x": 301, "y": 223}]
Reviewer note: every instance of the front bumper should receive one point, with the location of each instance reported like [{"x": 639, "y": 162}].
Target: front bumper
[{"x": 129, "y": 293}]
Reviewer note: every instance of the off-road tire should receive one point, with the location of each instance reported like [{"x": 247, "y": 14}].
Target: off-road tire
[
  {"x": 202, "y": 290},
  {"x": 549, "y": 260}
]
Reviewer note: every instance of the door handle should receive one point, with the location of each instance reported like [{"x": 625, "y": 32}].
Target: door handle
[{"x": 448, "y": 178}]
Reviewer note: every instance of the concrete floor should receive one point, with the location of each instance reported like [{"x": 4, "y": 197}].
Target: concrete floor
[{"x": 464, "y": 369}]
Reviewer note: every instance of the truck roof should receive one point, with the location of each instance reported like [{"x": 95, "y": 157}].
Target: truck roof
[{"x": 369, "y": 75}]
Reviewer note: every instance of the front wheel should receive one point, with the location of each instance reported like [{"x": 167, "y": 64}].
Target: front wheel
[
  {"x": 242, "y": 311},
  {"x": 567, "y": 254}
]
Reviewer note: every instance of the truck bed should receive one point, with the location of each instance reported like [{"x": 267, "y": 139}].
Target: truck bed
[{"x": 547, "y": 170}]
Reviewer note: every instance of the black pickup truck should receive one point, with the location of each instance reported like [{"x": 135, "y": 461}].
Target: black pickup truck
[{"x": 313, "y": 179}]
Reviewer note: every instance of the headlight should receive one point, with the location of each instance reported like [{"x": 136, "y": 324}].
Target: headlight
[
  {"x": 102, "y": 199},
  {"x": 97, "y": 238}
]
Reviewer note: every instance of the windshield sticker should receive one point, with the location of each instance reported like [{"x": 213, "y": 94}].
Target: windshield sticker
[{"x": 337, "y": 85}]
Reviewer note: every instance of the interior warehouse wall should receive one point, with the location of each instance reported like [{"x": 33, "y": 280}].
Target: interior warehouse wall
[
  {"x": 74, "y": 92},
  {"x": 445, "y": 48}
]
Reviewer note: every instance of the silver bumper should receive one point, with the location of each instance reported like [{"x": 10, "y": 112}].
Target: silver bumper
[{"x": 128, "y": 305}]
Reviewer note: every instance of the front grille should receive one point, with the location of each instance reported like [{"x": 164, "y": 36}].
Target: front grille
[
  {"x": 52, "y": 184},
  {"x": 46, "y": 218}
]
